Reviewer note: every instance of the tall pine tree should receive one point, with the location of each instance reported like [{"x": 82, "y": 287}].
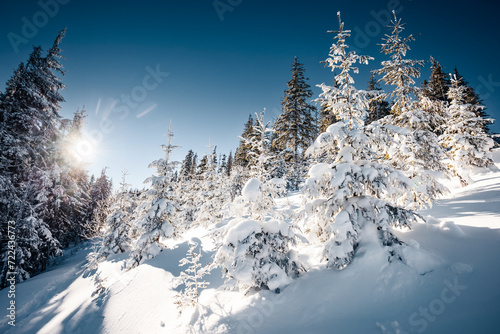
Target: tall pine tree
[{"x": 296, "y": 128}]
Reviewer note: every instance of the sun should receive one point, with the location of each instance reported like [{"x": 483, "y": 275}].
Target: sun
[{"x": 82, "y": 150}]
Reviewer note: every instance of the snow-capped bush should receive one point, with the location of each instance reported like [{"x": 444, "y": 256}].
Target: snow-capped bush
[{"x": 257, "y": 254}]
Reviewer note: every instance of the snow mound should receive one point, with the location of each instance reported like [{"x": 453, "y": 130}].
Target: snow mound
[
  {"x": 449, "y": 228},
  {"x": 251, "y": 190}
]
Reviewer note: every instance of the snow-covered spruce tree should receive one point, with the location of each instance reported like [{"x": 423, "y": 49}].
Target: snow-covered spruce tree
[
  {"x": 255, "y": 248},
  {"x": 157, "y": 215},
  {"x": 186, "y": 167},
  {"x": 433, "y": 95},
  {"x": 210, "y": 191},
  {"x": 295, "y": 128},
  {"x": 354, "y": 194},
  {"x": 241, "y": 157},
  {"x": 436, "y": 88},
  {"x": 467, "y": 143},
  {"x": 379, "y": 108},
  {"x": 117, "y": 230},
  {"x": 99, "y": 205},
  {"x": 192, "y": 278},
  {"x": 254, "y": 251},
  {"x": 473, "y": 98},
  {"x": 29, "y": 129},
  {"x": 265, "y": 162},
  {"x": 416, "y": 149},
  {"x": 257, "y": 255}
]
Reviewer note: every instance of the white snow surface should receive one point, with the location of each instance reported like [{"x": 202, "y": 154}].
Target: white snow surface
[{"x": 449, "y": 283}]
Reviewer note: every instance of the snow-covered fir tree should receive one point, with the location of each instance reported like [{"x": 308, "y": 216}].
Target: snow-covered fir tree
[
  {"x": 210, "y": 191},
  {"x": 117, "y": 237},
  {"x": 241, "y": 157},
  {"x": 255, "y": 247},
  {"x": 265, "y": 162},
  {"x": 415, "y": 149},
  {"x": 157, "y": 216},
  {"x": 379, "y": 108},
  {"x": 353, "y": 194},
  {"x": 463, "y": 136},
  {"x": 436, "y": 88},
  {"x": 295, "y": 128},
  {"x": 473, "y": 98},
  {"x": 35, "y": 183}
]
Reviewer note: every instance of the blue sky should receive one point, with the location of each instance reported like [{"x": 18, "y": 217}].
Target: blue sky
[{"x": 222, "y": 66}]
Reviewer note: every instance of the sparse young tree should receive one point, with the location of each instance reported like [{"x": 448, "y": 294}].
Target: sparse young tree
[{"x": 192, "y": 278}]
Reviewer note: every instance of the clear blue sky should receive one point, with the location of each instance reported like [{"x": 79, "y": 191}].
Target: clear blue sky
[{"x": 220, "y": 71}]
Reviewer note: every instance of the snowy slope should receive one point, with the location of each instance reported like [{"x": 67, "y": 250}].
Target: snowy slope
[{"x": 450, "y": 285}]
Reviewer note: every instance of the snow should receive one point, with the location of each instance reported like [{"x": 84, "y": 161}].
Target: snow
[
  {"x": 446, "y": 283},
  {"x": 251, "y": 190}
]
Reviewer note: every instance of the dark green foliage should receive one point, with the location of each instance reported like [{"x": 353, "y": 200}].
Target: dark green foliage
[
  {"x": 378, "y": 107},
  {"x": 242, "y": 156},
  {"x": 296, "y": 127},
  {"x": 471, "y": 97},
  {"x": 436, "y": 88}
]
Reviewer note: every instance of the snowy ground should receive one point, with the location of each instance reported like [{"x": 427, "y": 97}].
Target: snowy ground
[{"x": 450, "y": 285}]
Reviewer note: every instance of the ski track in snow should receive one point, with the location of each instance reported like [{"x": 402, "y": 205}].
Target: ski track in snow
[{"x": 450, "y": 285}]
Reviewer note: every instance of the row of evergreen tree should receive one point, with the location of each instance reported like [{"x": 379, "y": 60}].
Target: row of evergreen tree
[
  {"x": 43, "y": 189},
  {"x": 365, "y": 167}
]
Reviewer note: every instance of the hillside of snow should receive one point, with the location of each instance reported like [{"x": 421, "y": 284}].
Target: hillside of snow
[{"x": 449, "y": 284}]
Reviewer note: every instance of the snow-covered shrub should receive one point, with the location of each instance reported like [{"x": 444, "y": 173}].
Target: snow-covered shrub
[
  {"x": 256, "y": 254},
  {"x": 254, "y": 246}
]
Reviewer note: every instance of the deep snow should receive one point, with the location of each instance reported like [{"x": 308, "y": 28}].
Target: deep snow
[{"x": 449, "y": 284}]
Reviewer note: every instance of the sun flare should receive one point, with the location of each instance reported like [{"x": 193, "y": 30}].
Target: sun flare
[{"x": 82, "y": 150}]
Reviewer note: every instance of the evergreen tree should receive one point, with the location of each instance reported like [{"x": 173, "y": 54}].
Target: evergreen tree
[
  {"x": 295, "y": 128},
  {"x": 327, "y": 118},
  {"x": 186, "y": 168},
  {"x": 398, "y": 71},
  {"x": 118, "y": 223},
  {"x": 158, "y": 214},
  {"x": 99, "y": 204},
  {"x": 353, "y": 192},
  {"x": 378, "y": 108},
  {"x": 415, "y": 150},
  {"x": 471, "y": 97},
  {"x": 34, "y": 186},
  {"x": 437, "y": 86},
  {"x": 467, "y": 143},
  {"x": 241, "y": 157},
  {"x": 255, "y": 250},
  {"x": 229, "y": 164}
]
